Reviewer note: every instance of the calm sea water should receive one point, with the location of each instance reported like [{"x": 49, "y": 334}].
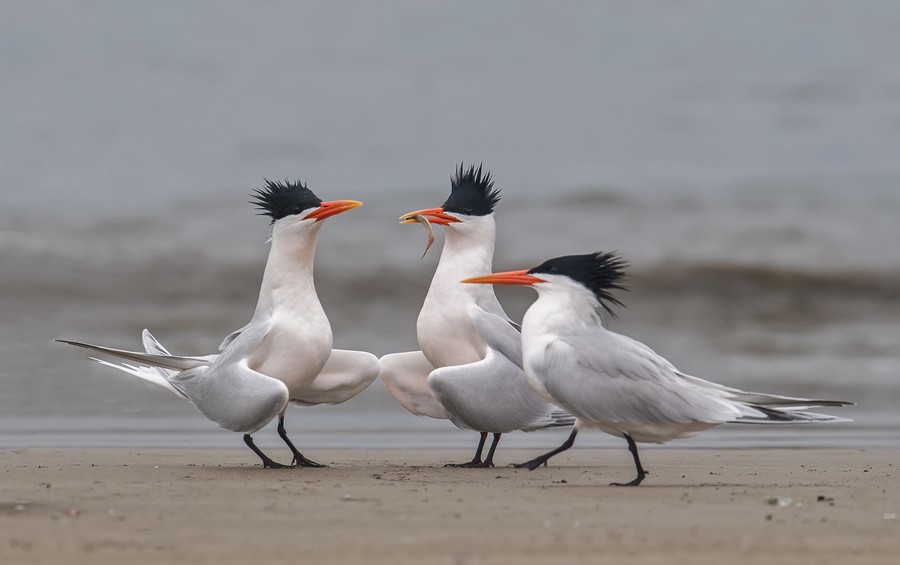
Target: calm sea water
[{"x": 743, "y": 157}]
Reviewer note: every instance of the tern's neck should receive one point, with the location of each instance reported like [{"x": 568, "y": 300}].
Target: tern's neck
[
  {"x": 444, "y": 328},
  {"x": 288, "y": 278},
  {"x": 558, "y": 310},
  {"x": 468, "y": 250}
]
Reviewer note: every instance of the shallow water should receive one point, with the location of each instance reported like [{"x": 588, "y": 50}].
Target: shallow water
[{"x": 745, "y": 166}]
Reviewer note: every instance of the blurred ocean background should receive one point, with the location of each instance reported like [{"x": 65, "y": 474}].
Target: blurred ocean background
[{"x": 742, "y": 156}]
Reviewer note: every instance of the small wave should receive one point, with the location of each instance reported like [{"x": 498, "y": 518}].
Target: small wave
[{"x": 34, "y": 270}]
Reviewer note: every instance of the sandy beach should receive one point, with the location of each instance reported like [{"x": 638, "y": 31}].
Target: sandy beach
[{"x": 402, "y": 506}]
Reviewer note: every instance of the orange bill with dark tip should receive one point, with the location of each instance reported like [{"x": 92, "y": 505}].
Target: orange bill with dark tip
[
  {"x": 434, "y": 215},
  {"x": 509, "y": 277},
  {"x": 328, "y": 209}
]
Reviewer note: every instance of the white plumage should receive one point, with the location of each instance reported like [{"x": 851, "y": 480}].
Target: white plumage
[
  {"x": 616, "y": 384},
  {"x": 469, "y": 368},
  {"x": 283, "y": 354}
]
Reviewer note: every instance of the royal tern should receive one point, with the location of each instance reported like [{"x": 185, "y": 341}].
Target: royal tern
[
  {"x": 614, "y": 383},
  {"x": 284, "y": 354},
  {"x": 469, "y": 369}
]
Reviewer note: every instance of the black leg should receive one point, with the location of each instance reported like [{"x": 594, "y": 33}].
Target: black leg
[
  {"x": 299, "y": 459},
  {"x": 267, "y": 463},
  {"x": 476, "y": 461},
  {"x": 489, "y": 462},
  {"x": 538, "y": 461},
  {"x": 641, "y": 473}
]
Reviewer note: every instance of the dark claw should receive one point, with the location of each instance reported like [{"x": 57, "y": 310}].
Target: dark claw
[
  {"x": 476, "y": 462},
  {"x": 473, "y": 464},
  {"x": 633, "y": 483},
  {"x": 542, "y": 459},
  {"x": 266, "y": 461},
  {"x": 641, "y": 473},
  {"x": 269, "y": 464},
  {"x": 301, "y": 461},
  {"x": 530, "y": 465}
]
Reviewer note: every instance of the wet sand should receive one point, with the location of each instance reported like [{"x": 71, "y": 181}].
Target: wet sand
[{"x": 401, "y": 506}]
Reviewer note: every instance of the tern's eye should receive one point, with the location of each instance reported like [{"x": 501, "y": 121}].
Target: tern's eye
[
  {"x": 553, "y": 271},
  {"x": 297, "y": 210},
  {"x": 467, "y": 211}
]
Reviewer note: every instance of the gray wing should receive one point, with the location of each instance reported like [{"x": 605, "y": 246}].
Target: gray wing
[
  {"x": 229, "y": 392},
  {"x": 601, "y": 376},
  {"x": 233, "y": 395},
  {"x": 498, "y": 333},
  {"x": 493, "y": 395},
  {"x": 223, "y": 387},
  {"x": 618, "y": 379},
  {"x": 231, "y": 337}
]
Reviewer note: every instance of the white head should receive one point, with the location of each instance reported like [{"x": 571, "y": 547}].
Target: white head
[
  {"x": 581, "y": 280},
  {"x": 294, "y": 208},
  {"x": 469, "y": 210}
]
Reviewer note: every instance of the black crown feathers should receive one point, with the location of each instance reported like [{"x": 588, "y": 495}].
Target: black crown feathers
[
  {"x": 600, "y": 272},
  {"x": 472, "y": 192},
  {"x": 281, "y": 199}
]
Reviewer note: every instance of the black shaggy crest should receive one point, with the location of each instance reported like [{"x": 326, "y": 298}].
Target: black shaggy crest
[
  {"x": 600, "y": 272},
  {"x": 472, "y": 192},
  {"x": 281, "y": 199}
]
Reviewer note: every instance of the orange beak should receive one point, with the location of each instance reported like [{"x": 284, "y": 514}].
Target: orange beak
[
  {"x": 328, "y": 209},
  {"x": 434, "y": 215},
  {"x": 509, "y": 277}
]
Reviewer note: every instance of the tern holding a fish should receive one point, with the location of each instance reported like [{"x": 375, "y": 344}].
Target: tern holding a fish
[{"x": 469, "y": 369}]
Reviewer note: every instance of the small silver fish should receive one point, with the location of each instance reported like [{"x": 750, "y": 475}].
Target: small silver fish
[{"x": 428, "y": 229}]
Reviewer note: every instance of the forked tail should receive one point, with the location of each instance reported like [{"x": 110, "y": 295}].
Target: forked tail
[
  {"x": 157, "y": 364},
  {"x": 756, "y": 414},
  {"x": 760, "y": 408}
]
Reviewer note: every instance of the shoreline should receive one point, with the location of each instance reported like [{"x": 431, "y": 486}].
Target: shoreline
[{"x": 379, "y": 506}]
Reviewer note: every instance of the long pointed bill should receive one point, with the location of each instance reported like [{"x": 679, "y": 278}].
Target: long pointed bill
[
  {"x": 328, "y": 209},
  {"x": 434, "y": 215},
  {"x": 510, "y": 277}
]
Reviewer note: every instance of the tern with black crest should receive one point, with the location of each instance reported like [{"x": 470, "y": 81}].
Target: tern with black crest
[
  {"x": 614, "y": 383},
  {"x": 284, "y": 353},
  {"x": 469, "y": 368}
]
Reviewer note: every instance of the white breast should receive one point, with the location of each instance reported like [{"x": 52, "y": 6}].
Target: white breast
[
  {"x": 444, "y": 329},
  {"x": 299, "y": 339}
]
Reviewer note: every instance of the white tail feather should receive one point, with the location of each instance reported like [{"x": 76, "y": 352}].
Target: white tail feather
[
  {"x": 755, "y": 414},
  {"x": 150, "y": 374},
  {"x": 152, "y": 345},
  {"x": 166, "y": 361},
  {"x": 758, "y": 399}
]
